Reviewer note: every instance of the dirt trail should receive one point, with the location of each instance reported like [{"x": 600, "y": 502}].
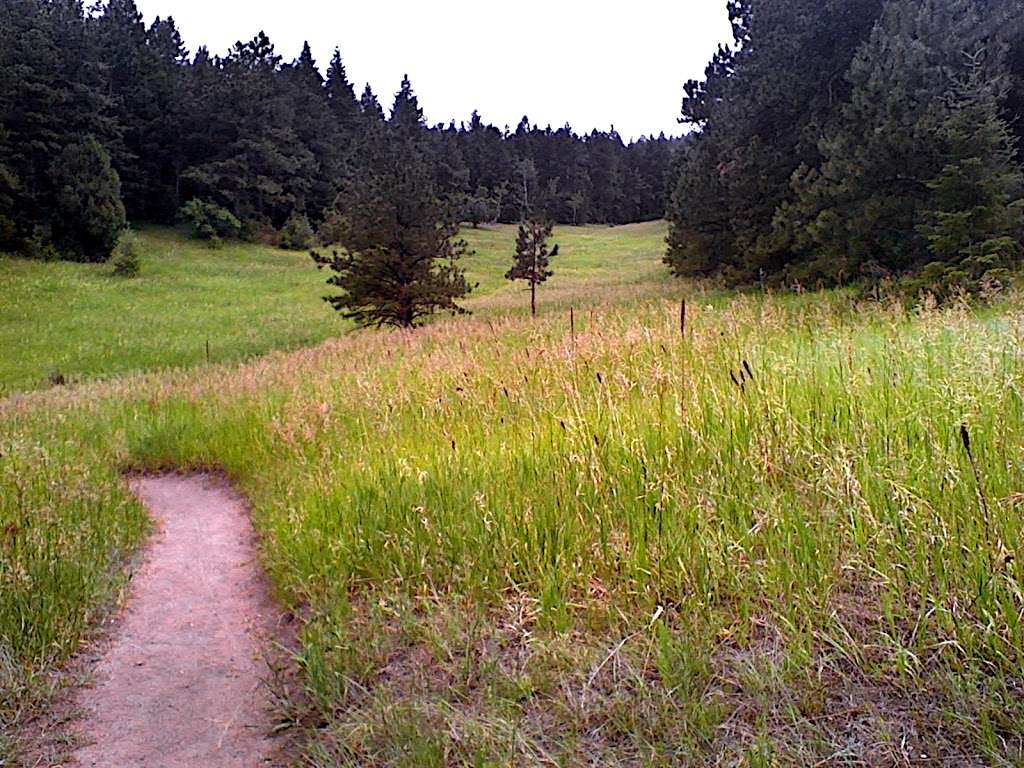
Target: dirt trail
[{"x": 182, "y": 683}]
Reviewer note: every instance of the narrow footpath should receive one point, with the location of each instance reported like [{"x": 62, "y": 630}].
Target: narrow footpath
[{"x": 183, "y": 681}]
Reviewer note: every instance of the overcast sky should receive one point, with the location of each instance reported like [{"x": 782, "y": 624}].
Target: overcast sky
[{"x": 590, "y": 63}]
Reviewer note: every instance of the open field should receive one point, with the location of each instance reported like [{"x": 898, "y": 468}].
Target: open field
[
  {"x": 761, "y": 544},
  {"x": 80, "y": 322}
]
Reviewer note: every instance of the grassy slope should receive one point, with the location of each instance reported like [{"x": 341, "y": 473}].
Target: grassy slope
[
  {"x": 517, "y": 548},
  {"x": 78, "y": 321}
]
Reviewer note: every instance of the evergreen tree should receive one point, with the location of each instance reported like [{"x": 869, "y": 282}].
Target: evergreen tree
[
  {"x": 974, "y": 221},
  {"x": 370, "y": 108},
  {"x": 760, "y": 109},
  {"x": 88, "y": 216},
  {"x": 532, "y": 258},
  {"x": 607, "y": 173},
  {"x": 341, "y": 97},
  {"x": 161, "y": 148},
  {"x": 120, "y": 36},
  {"x": 399, "y": 263},
  {"x": 348, "y": 122},
  {"x": 263, "y": 170},
  {"x": 406, "y": 114},
  {"x": 857, "y": 216},
  {"x": 316, "y": 129},
  {"x": 297, "y": 233}
]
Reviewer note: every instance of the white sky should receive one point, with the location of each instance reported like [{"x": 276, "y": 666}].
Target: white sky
[{"x": 591, "y": 63}]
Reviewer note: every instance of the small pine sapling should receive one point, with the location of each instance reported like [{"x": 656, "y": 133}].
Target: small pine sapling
[{"x": 532, "y": 258}]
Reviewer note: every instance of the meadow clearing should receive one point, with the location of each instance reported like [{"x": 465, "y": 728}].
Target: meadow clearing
[
  {"x": 790, "y": 536},
  {"x": 78, "y": 322}
]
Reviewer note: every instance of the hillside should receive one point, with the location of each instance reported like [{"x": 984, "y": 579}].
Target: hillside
[
  {"x": 79, "y": 322},
  {"x": 763, "y": 543}
]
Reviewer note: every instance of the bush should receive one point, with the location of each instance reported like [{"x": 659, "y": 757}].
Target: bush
[
  {"x": 127, "y": 259},
  {"x": 210, "y": 221},
  {"x": 88, "y": 215},
  {"x": 297, "y": 233},
  {"x": 40, "y": 245},
  {"x": 331, "y": 228},
  {"x": 984, "y": 270}
]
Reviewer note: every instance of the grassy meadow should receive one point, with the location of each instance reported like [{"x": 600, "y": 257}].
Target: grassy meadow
[
  {"x": 764, "y": 543},
  {"x": 79, "y": 322}
]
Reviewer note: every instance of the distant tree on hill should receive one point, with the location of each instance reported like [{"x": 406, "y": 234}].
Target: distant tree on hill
[
  {"x": 406, "y": 113},
  {"x": 341, "y": 96},
  {"x": 479, "y": 207},
  {"x": 317, "y": 129},
  {"x": 399, "y": 262},
  {"x": 369, "y": 107},
  {"x": 209, "y": 221},
  {"x": 532, "y": 258}
]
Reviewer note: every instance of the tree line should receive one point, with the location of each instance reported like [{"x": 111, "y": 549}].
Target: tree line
[
  {"x": 105, "y": 120},
  {"x": 856, "y": 140}
]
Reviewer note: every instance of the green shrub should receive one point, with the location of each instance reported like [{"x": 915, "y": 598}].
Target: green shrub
[
  {"x": 982, "y": 271},
  {"x": 331, "y": 227},
  {"x": 40, "y": 245},
  {"x": 297, "y": 233},
  {"x": 127, "y": 260},
  {"x": 210, "y": 221}
]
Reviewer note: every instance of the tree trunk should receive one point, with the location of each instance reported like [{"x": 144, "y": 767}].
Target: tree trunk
[{"x": 533, "y": 299}]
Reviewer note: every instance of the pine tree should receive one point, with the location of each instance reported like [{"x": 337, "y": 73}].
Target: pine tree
[
  {"x": 161, "y": 148},
  {"x": 399, "y": 263},
  {"x": 341, "y": 97},
  {"x": 406, "y": 114},
  {"x": 974, "y": 220},
  {"x": 317, "y": 130},
  {"x": 369, "y": 107},
  {"x": 532, "y": 258},
  {"x": 857, "y": 216},
  {"x": 120, "y": 36},
  {"x": 297, "y": 233}
]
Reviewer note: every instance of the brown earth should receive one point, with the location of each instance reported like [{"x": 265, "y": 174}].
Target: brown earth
[{"x": 183, "y": 680}]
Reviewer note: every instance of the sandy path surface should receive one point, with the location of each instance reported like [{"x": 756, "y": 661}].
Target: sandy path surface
[{"x": 182, "y": 683}]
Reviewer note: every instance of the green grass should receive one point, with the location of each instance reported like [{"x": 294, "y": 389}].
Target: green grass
[
  {"x": 79, "y": 322},
  {"x": 591, "y": 255},
  {"x": 763, "y": 544}
]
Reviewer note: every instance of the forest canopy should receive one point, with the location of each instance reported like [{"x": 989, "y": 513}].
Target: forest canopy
[
  {"x": 856, "y": 140},
  {"x": 250, "y": 137}
]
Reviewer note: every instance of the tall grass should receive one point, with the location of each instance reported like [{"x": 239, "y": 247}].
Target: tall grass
[{"x": 760, "y": 544}]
